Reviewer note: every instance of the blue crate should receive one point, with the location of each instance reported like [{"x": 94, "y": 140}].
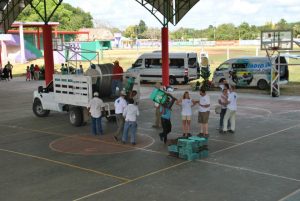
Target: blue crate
[
  {"x": 173, "y": 148},
  {"x": 183, "y": 156},
  {"x": 193, "y": 156},
  {"x": 204, "y": 154},
  {"x": 185, "y": 142},
  {"x": 202, "y": 141}
]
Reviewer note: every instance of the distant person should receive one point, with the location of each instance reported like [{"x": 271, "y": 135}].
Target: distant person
[
  {"x": 117, "y": 78},
  {"x": 95, "y": 107},
  {"x": 186, "y": 113},
  {"x": 1, "y": 70},
  {"x": 81, "y": 69},
  {"x": 36, "y": 72},
  {"x": 223, "y": 103},
  {"x": 165, "y": 122},
  {"x": 231, "y": 111},
  {"x": 28, "y": 73},
  {"x": 62, "y": 69},
  {"x": 203, "y": 115},
  {"x": 130, "y": 114},
  {"x": 9, "y": 68},
  {"x": 120, "y": 105},
  {"x": 94, "y": 75},
  {"x": 157, "y": 122},
  {"x": 5, "y": 73},
  {"x": 133, "y": 95},
  {"x": 31, "y": 71}
]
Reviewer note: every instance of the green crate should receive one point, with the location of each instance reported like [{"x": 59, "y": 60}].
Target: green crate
[
  {"x": 193, "y": 156},
  {"x": 158, "y": 96},
  {"x": 173, "y": 148}
]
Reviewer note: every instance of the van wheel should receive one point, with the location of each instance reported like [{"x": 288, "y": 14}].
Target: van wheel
[
  {"x": 38, "y": 110},
  {"x": 75, "y": 116},
  {"x": 172, "y": 80},
  {"x": 262, "y": 84}
]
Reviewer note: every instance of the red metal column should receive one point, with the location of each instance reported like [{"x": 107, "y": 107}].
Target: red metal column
[
  {"x": 48, "y": 53},
  {"x": 165, "y": 55}
]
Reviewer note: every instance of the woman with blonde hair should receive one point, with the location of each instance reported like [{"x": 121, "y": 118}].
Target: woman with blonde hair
[{"x": 186, "y": 113}]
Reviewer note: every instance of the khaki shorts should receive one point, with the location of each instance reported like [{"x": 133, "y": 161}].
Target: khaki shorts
[
  {"x": 203, "y": 117},
  {"x": 186, "y": 118}
]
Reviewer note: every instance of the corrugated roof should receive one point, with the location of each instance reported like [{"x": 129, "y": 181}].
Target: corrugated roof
[{"x": 169, "y": 10}]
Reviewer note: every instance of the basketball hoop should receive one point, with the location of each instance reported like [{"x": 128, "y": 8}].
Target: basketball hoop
[{"x": 275, "y": 48}]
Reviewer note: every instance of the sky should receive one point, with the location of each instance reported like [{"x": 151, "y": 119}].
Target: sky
[{"x": 122, "y": 13}]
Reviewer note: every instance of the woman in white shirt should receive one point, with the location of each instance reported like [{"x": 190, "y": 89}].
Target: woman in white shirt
[{"x": 186, "y": 113}]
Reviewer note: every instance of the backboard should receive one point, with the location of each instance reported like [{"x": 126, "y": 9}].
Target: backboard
[
  {"x": 276, "y": 40},
  {"x": 57, "y": 44}
]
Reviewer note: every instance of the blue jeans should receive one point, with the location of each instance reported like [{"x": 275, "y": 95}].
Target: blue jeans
[
  {"x": 96, "y": 126},
  {"x": 222, "y": 114},
  {"x": 114, "y": 85},
  {"x": 127, "y": 126}
]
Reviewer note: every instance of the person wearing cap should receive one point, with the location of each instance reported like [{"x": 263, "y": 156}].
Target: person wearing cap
[
  {"x": 95, "y": 106},
  {"x": 130, "y": 113},
  {"x": 117, "y": 78},
  {"x": 120, "y": 105}
]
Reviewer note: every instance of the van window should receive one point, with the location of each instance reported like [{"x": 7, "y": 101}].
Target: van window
[
  {"x": 224, "y": 66},
  {"x": 239, "y": 65},
  {"x": 137, "y": 63},
  {"x": 176, "y": 63},
  {"x": 153, "y": 63},
  {"x": 192, "y": 62}
]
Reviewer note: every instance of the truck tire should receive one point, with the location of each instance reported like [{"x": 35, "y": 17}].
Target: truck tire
[
  {"x": 38, "y": 110},
  {"x": 172, "y": 80},
  {"x": 75, "y": 116},
  {"x": 262, "y": 84}
]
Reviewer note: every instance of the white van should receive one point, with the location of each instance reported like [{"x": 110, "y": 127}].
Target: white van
[
  {"x": 250, "y": 71},
  {"x": 183, "y": 67}
]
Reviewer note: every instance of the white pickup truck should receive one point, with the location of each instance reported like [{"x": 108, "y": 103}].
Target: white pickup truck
[{"x": 72, "y": 93}]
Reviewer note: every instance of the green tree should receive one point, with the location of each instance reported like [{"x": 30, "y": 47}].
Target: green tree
[
  {"x": 296, "y": 29},
  {"x": 142, "y": 27},
  {"x": 227, "y": 32},
  {"x": 70, "y": 18},
  {"x": 130, "y": 31},
  {"x": 282, "y": 25}
]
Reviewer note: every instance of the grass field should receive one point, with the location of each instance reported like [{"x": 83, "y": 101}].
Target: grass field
[{"x": 217, "y": 55}]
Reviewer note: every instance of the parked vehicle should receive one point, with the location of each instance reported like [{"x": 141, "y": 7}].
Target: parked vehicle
[
  {"x": 183, "y": 67},
  {"x": 72, "y": 94},
  {"x": 250, "y": 71}
]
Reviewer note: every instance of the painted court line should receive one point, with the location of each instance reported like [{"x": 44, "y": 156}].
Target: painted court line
[
  {"x": 255, "y": 139},
  {"x": 290, "y": 195},
  {"x": 87, "y": 139},
  {"x": 136, "y": 179},
  {"x": 178, "y": 135},
  {"x": 249, "y": 170},
  {"x": 66, "y": 164}
]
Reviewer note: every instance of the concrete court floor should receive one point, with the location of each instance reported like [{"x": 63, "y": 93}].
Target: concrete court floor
[{"x": 260, "y": 162}]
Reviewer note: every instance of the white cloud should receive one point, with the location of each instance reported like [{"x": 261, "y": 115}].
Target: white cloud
[{"x": 121, "y": 13}]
